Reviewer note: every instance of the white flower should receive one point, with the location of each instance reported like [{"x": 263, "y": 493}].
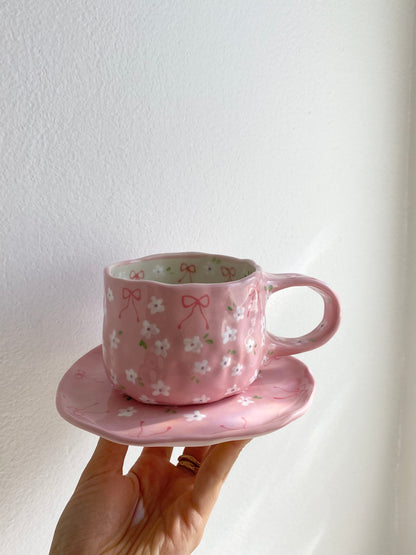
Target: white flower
[
  {"x": 155, "y": 305},
  {"x": 161, "y": 388},
  {"x": 193, "y": 344},
  {"x": 225, "y": 361},
  {"x": 202, "y": 367},
  {"x": 194, "y": 416},
  {"x": 127, "y": 412},
  {"x": 236, "y": 371},
  {"x": 162, "y": 347},
  {"x": 114, "y": 340},
  {"x": 146, "y": 399},
  {"x": 110, "y": 295},
  {"x": 149, "y": 329},
  {"x": 232, "y": 390},
  {"x": 239, "y": 313},
  {"x": 245, "y": 401},
  {"x": 229, "y": 335},
  {"x": 131, "y": 375},
  {"x": 250, "y": 344},
  {"x": 113, "y": 377},
  {"x": 202, "y": 399},
  {"x": 159, "y": 270}
]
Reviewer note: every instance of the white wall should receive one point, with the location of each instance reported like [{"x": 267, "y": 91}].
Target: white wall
[{"x": 272, "y": 130}]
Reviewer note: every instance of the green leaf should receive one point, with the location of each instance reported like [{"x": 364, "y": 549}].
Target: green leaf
[
  {"x": 143, "y": 344},
  {"x": 193, "y": 377},
  {"x": 270, "y": 287},
  {"x": 197, "y": 381},
  {"x": 206, "y": 335},
  {"x": 210, "y": 341},
  {"x": 229, "y": 308},
  {"x": 168, "y": 269},
  {"x": 257, "y": 397},
  {"x": 120, "y": 332}
]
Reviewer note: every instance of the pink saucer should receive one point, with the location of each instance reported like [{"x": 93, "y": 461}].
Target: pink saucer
[{"x": 282, "y": 392}]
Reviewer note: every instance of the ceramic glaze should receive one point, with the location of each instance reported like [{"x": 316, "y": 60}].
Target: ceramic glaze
[
  {"x": 189, "y": 328},
  {"x": 281, "y": 393}
]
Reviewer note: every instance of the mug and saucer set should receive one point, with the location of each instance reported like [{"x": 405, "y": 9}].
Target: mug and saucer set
[{"x": 186, "y": 358}]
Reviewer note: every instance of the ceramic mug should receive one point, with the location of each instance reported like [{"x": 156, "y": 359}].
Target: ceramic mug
[{"x": 189, "y": 328}]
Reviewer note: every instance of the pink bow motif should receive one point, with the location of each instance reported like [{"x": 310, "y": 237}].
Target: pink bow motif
[
  {"x": 189, "y": 270},
  {"x": 228, "y": 273},
  {"x": 188, "y": 301},
  {"x": 136, "y": 275},
  {"x": 133, "y": 296},
  {"x": 253, "y": 295}
]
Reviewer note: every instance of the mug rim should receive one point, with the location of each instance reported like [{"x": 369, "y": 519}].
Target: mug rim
[{"x": 189, "y": 254}]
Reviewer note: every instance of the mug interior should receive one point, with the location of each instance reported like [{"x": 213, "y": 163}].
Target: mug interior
[{"x": 184, "y": 268}]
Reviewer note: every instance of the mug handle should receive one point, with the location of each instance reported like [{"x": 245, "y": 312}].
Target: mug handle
[{"x": 284, "y": 346}]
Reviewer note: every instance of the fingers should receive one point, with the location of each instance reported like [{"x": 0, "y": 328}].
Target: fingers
[
  {"x": 198, "y": 452},
  {"x": 107, "y": 457},
  {"x": 212, "y": 474},
  {"x": 161, "y": 452}
]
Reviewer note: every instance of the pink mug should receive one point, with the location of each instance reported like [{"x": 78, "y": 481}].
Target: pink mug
[{"x": 189, "y": 328}]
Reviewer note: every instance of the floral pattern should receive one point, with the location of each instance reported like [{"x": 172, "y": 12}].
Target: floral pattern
[
  {"x": 159, "y": 271},
  {"x": 267, "y": 405},
  {"x": 162, "y": 347},
  {"x": 237, "y": 370},
  {"x": 149, "y": 329},
  {"x": 160, "y": 388},
  {"x": 239, "y": 313},
  {"x": 114, "y": 340},
  {"x": 245, "y": 401},
  {"x": 131, "y": 375},
  {"x": 147, "y": 400},
  {"x": 129, "y": 411},
  {"x": 201, "y": 367},
  {"x": 193, "y": 344},
  {"x": 200, "y": 400},
  {"x": 155, "y": 305},
  {"x": 233, "y": 389},
  {"x": 230, "y": 334},
  {"x": 250, "y": 344},
  {"x": 225, "y": 361},
  {"x": 195, "y": 416},
  {"x": 209, "y": 333},
  {"x": 113, "y": 377}
]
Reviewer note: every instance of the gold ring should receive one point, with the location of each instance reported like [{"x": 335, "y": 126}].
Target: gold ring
[{"x": 189, "y": 462}]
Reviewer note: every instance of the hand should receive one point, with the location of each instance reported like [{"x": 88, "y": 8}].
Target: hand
[{"x": 157, "y": 508}]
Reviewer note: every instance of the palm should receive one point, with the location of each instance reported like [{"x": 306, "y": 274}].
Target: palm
[{"x": 155, "y": 508}]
